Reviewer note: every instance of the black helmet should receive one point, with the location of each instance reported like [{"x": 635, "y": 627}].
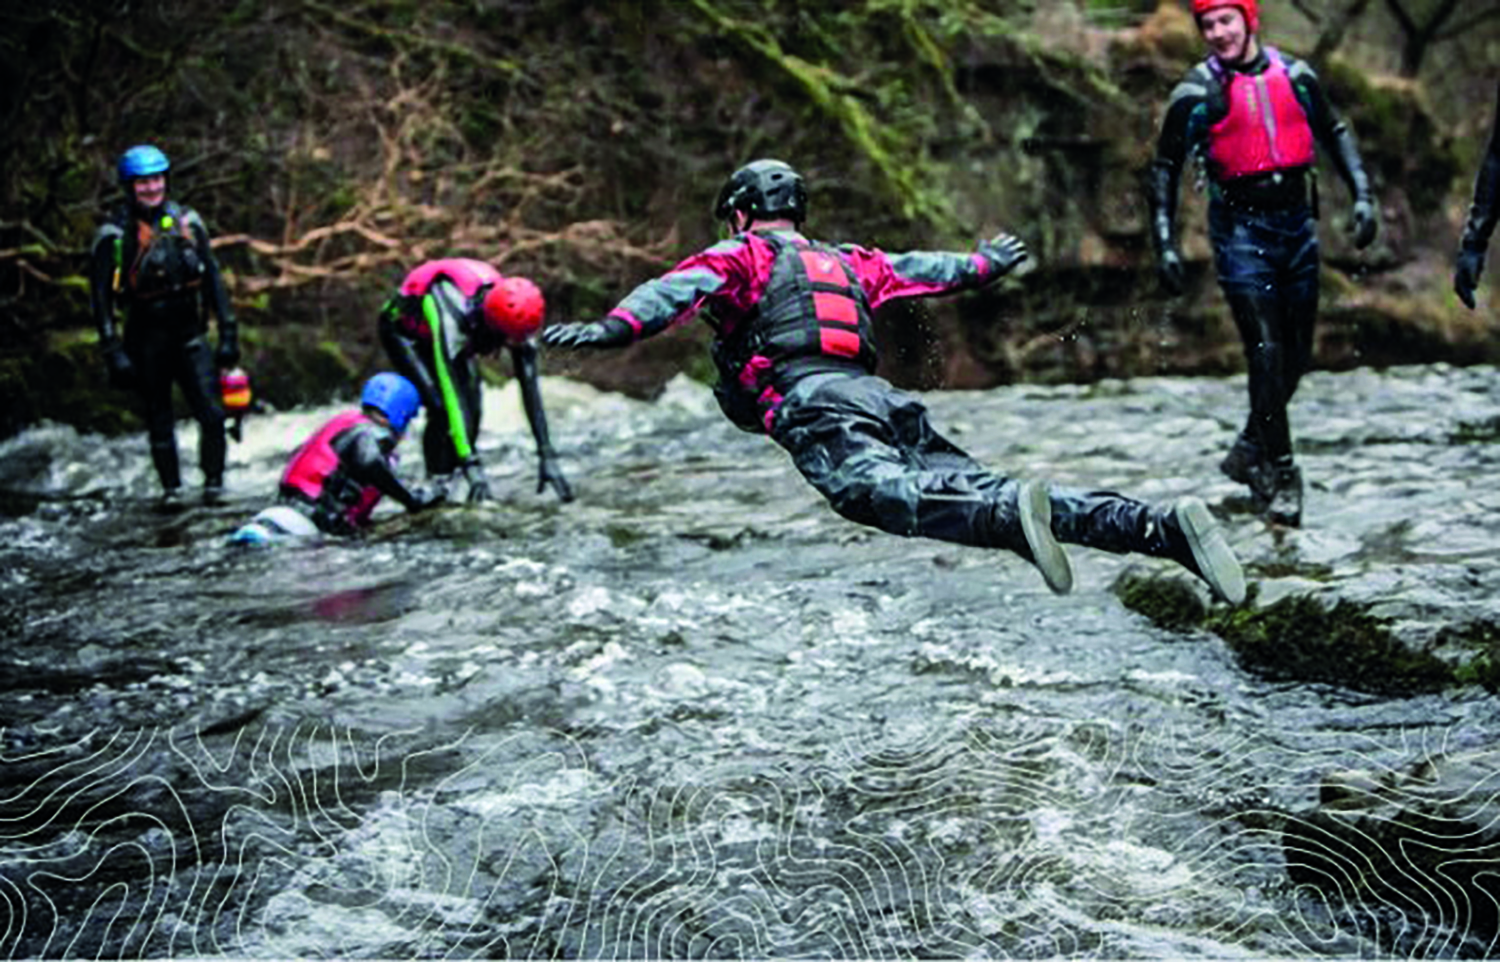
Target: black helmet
[{"x": 764, "y": 189}]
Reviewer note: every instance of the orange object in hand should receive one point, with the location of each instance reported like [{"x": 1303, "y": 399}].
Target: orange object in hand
[{"x": 234, "y": 391}]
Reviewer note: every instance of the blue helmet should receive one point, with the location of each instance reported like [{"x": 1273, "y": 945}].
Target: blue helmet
[
  {"x": 142, "y": 161},
  {"x": 394, "y": 396}
]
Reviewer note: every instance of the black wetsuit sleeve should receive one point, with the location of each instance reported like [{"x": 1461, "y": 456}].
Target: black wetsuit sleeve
[
  {"x": 1333, "y": 133},
  {"x": 524, "y": 360},
  {"x": 102, "y": 267},
  {"x": 1179, "y": 129},
  {"x": 1482, "y": 213},
  {"x": 216, "y": 294},
  {"x": 364, "y": 455}
]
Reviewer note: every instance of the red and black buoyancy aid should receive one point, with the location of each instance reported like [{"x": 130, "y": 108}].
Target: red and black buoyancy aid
[
  {"x": 314, "y": 475},
  {"x": 1264, "y": 128},
  {"x": 813, "y": 312}
]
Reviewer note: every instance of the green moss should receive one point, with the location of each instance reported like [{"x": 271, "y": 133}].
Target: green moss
[
  {"x": 65, "y": 383},
  {"x": 1482, "y": 638},
  {"x": 1169, "y": 603},
  {"x": 1300, "y": 639},
  {"x": 292, "y": 366}
]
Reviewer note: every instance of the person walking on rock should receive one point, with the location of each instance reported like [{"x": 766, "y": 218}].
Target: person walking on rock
[
  {"x": 1253, "y": 116},
  {"x": 1475, "y": 243},
  {"x": 796, "y": 356},
  {"x": 152, "y": 260},
  {"x": 446, "y": 315}
]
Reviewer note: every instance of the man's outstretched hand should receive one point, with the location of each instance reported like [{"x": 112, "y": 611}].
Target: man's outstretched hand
[
  {"x": 610, "y": 332},
  {"x": 1005, "y": 251}
]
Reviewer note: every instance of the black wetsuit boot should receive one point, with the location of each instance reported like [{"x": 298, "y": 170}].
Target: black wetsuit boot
[{"x": 1276, "y": 354}]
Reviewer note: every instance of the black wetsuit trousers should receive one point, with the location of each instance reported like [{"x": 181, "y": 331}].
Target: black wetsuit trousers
[
  {"x": 872, "y": 452},
  {"x": 166, "y": 346},
  {"x": 1267, "y": 262}
]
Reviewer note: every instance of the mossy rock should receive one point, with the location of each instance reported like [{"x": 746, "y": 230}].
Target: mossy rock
[
  {"x": 1170, "y": 603},
  {"x": 1399, "y": 137},
  {"x": 1299, "y": 638},
  {"x": 1480, "y": 640}
]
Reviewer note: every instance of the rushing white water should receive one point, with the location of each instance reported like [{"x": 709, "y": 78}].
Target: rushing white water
[{"x": 695, "y": 713}]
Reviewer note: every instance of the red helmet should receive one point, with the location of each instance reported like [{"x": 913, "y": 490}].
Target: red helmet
[
  {"x": 513, "y": 309},
  {"x": 1250, "y": 8}
]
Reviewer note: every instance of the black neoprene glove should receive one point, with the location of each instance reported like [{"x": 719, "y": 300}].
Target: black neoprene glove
[
  {"x": 1170, "y": 272},
  {"x": 479, "y": 484},
  {"x": 1466, "y": 270},
  {"x": 550, "y": 473},
  {"x": 426, "y": 497},
  {"x": 1362, "y": 224},
  {"x": 121, "y": 370},
  {"x": 610, "y": 332}
]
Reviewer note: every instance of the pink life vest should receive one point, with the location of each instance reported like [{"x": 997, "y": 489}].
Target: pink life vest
[
  {"x": 1265, "y": 128},
  {"x": 466, "y": 274},
  {"x": 316, "y": 461}
]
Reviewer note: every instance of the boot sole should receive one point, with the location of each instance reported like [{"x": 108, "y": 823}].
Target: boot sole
[
  {"x": 1035, "y": 509},
  {"x": 1220, "y": 568}
]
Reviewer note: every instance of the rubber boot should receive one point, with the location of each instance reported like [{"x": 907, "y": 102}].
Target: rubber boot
[
  {"x": 164, "y": 458},
  {"x": 1285, "y": 507},
  {"x": 1242, "y": 459},
  {"x": 1188, "y": 534},
  {"x": 1244, "y": 464}
]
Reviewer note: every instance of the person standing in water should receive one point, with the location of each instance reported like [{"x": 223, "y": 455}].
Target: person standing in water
[
  {"x": 1254, "y": 116},
  {"x": 152, "y": 260}
]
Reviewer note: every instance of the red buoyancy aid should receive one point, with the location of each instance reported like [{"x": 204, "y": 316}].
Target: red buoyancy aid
[
  {"x": 812, "y": 307},
  {"x": 466, "y": 274},
  {"x": 316, "y": 461},
  {"x": 1265, "y": 128}
]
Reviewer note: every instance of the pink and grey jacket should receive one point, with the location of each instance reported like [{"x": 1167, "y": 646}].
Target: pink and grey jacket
[{"x": 783, "y": 307}]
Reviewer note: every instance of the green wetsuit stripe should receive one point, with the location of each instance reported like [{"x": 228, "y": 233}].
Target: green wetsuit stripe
[{"x": 457, "y": 429}]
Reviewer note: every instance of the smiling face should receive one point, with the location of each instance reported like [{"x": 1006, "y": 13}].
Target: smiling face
[
  {"x": 1227, "y": 35},
  {"x": 150, "y": 191}
]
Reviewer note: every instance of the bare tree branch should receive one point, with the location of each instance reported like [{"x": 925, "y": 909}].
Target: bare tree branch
[
  {"x": 1336, "y": 28},
  {"x": 1307, "y": 10},
  {"x": 1463, "y": 27}
]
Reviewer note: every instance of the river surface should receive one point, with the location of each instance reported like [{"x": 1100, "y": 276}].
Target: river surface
[{"x": 695, "y": 713}]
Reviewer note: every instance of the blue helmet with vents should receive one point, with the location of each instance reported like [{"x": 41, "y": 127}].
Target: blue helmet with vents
[
  {"x": 394, "y": 396},
  {"x": 142, "y": 161}
]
